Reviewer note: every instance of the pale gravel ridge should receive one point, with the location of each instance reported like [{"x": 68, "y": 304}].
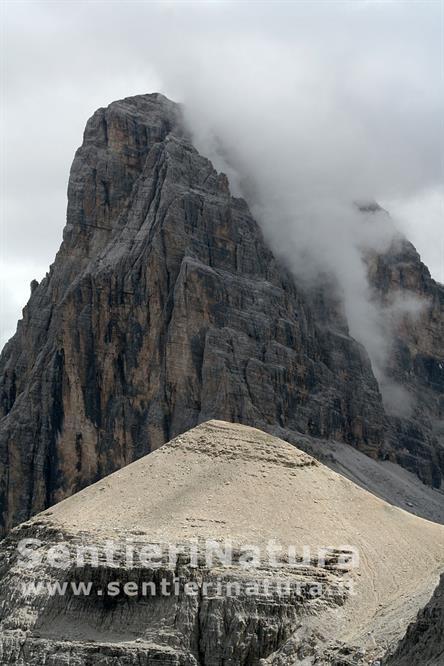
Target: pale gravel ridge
[
  {"x": 224, "y": 480},
  {"x": 383, "y": 478}
]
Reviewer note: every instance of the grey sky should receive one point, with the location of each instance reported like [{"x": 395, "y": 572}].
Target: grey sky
[{"x": 347, "y": 95}]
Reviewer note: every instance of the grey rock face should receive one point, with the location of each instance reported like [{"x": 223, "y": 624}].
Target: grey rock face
[
  {"x": 163, "y": 629},
  {"x": 164, "y": 307},
  {"x": 416, "y": 361}
]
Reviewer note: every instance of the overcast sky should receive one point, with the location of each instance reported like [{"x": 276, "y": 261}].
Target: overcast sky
[{"x": 351, "y": 92}]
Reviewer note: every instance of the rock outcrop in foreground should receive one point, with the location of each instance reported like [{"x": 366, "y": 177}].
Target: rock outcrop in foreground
[
  {"x": 221, "y": 483},
  {"x": 424, "y": 641},
  {"x": 164, "y": 308}
]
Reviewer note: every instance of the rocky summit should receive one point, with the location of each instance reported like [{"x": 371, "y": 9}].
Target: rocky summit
[
  {"x": 233, "y": 488},
  {"x": 165, "y": 308}
]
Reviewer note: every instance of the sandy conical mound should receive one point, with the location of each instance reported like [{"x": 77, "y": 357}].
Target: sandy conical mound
[
  {"x": 225, "y": 481},
  {"x": 228, "y": 480}
]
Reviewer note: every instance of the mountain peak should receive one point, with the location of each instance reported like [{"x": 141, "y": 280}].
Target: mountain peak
[{"x": 165, "y": 308}]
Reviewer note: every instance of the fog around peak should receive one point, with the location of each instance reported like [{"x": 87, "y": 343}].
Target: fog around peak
[{"x": 308, "y": 108}]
